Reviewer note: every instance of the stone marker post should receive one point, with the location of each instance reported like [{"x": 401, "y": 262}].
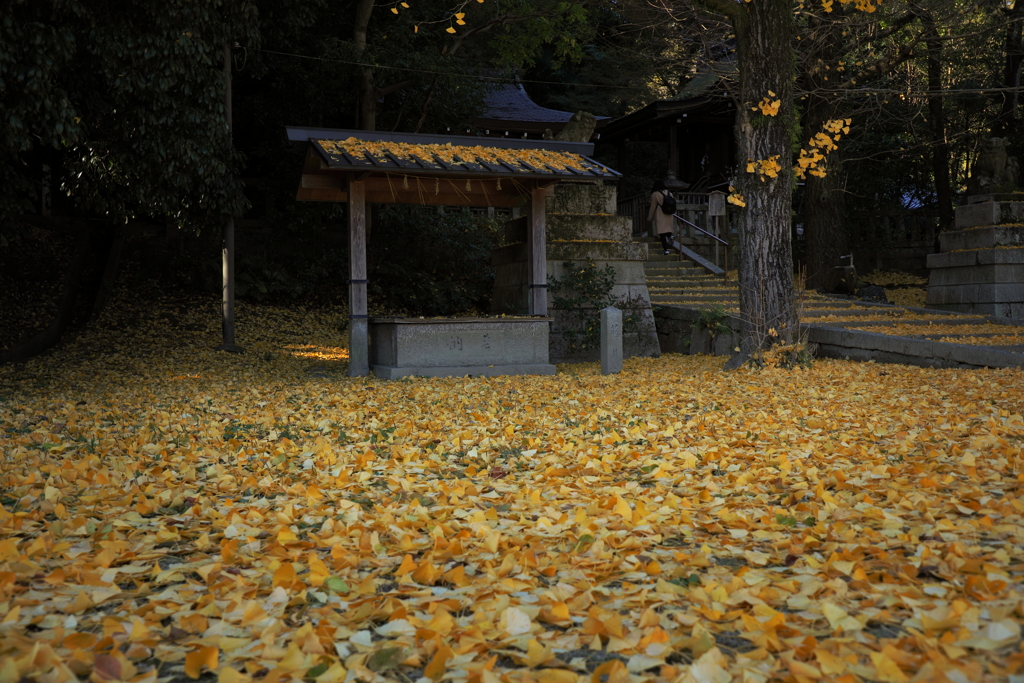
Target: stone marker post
[{"x": 611, "y": 340}]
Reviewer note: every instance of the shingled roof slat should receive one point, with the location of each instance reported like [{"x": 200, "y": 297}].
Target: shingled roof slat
[
  {"x": 567, "y": 167},
  {"x": 489, "y": 167},
  {"x": 508, "y": 165},
  {"x": 471, "y": 165},
  {"x": 375, "y": 162},
  {"x": 428, "y": 165},
  {"x": 446, "y": 166},
  {"x": 534, "y": 168},
  {"x": 399, "y": 162}
]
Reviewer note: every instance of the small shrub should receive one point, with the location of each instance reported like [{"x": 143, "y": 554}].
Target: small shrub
[
  {"x": 583, "y": 290},
  {"x": 713, "y": 319}
]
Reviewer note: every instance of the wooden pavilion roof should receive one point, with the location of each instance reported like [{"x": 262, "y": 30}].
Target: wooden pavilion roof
[{"x": 435, "y": 169}]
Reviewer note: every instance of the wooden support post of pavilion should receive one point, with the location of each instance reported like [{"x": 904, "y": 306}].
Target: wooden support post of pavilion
[
  {"x": 538, "y": 264},
  {"x": 358, "y": 325}
]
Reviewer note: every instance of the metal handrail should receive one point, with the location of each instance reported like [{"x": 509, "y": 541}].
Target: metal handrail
[
  {"x": 725, "y": 274},
  {"x": 714, "y": 237}
]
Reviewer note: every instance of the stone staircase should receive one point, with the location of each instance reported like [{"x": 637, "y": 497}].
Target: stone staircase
[
  {"x": 840, "y": 327},
  {"x": 674, "y": 281}
]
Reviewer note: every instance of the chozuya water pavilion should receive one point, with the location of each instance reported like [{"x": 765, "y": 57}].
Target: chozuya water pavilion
[{"x": 363, "y": 166}]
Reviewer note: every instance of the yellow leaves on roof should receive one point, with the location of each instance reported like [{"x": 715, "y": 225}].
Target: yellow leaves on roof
[{"x": 458, "y": 154}]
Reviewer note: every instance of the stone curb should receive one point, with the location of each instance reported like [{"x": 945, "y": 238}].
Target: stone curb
[
  {"x": 836, "y": 341},
  {"x": 915, "y": 351}
]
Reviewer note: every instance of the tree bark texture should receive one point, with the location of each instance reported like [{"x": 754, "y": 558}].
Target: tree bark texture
[
  {"x": 937, "y": 121},
  {"x": 367, "y": 91},
  {"x": 825, "y": 235},
  {"x": 52, "y": 334},
  {"x": 1007, "y": 119},
  {"x": 764, "y": 29},
  {"x": 825, "y": 232}
]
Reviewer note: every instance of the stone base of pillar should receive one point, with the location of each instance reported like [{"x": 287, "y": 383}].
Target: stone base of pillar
[{"x": 980, "y": 269}]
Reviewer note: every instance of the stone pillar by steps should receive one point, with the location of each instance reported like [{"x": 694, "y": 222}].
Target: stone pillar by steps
[
  {"x": 581, "y": 224},
  {"x": 980, "y": 268}
]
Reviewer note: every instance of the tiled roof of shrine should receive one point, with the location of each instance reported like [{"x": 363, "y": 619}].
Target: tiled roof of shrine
[{"x": 452, "y": 155}]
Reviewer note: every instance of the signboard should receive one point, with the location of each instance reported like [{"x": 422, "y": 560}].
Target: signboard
[{"x": 716, "y": 203}]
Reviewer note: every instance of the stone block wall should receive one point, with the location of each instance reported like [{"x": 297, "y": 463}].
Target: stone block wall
[
  {"x": 680, "y": 331},
  {"x": 981, "y": 267},
  {"x": 581, "y": 224}
]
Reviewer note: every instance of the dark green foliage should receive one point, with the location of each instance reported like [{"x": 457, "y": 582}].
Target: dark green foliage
[
  {"x": 584, "y": 291},
  {"x": 713, "y": 319},
  {"x": 642, "y": 164},
  {"x": 423, "y": 262},
  {"x": 293, "y": 264},
  {"x": 125, "y": 101},
  {"x": 301, "y": 256},
  {"x": 35, "y": 108}
]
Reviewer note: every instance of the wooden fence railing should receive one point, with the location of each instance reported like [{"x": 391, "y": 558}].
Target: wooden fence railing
[
  {"x": 909, "y": 228},
  {"x": 692, "y": 206}
]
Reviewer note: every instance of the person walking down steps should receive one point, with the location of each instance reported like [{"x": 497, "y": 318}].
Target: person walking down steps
[{"x": 663, "y": 205}]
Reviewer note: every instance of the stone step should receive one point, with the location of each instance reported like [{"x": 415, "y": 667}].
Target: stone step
[
  {"x": 846, "y": 338},
  {"x": 695, "y": 272},
  {"x": 694, "y": 276},
  {"x": 664, "y": 288},
  {"x": 691, "y": 279},
  {"x": 688, "y": 286},
  {"x": 673, "y": 266},
  {"x": 896, "y": 321},
  {"x": 681, "y": 280},
  {"x": 684, "y": 301}
]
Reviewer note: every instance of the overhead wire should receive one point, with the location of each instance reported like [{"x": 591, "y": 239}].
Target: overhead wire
[
  {"x": 946, "y": 92},
  {"x": 481, "y": 77}
]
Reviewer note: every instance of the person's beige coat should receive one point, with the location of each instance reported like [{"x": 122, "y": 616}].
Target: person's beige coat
[{"x": 663, "y": 222}]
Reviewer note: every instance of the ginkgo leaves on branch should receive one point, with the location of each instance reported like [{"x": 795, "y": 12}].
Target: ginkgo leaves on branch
[
  {"x": 811, "y": 158},
  {"x": 828, "y": 5},
  {"x": 456, "y": 15}
]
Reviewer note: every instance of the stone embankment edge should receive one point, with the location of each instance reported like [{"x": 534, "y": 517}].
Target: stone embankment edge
[{"x": 840, "y": 342}]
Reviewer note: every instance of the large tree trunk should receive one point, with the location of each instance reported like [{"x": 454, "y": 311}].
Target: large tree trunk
[
  {"x": 825, "y": 235},
  {"x": 767, "y": 307},
  {"x": 367, "y": 91},
  {"x": 824, "y": 207},
  {"x": 1007, "y": 120},
  {"x": 940, "y": 146},
  {"x": 52, "y": 334}
]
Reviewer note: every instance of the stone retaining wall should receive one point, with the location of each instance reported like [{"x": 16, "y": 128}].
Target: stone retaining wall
[
  {"x": 581, "y": 224},
  {"x": 680, "y": 331},
  {"x": 981, "y": 265}
]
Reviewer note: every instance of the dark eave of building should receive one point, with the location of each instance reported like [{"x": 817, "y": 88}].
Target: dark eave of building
[
  {"x": 508, "y": 108},
  {"x": 714, "y": 108}
]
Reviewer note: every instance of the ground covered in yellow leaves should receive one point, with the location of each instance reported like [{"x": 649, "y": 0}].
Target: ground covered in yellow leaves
[
  {"x": 901, "y": 288},
  {"x": 171, "y": 512}
]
